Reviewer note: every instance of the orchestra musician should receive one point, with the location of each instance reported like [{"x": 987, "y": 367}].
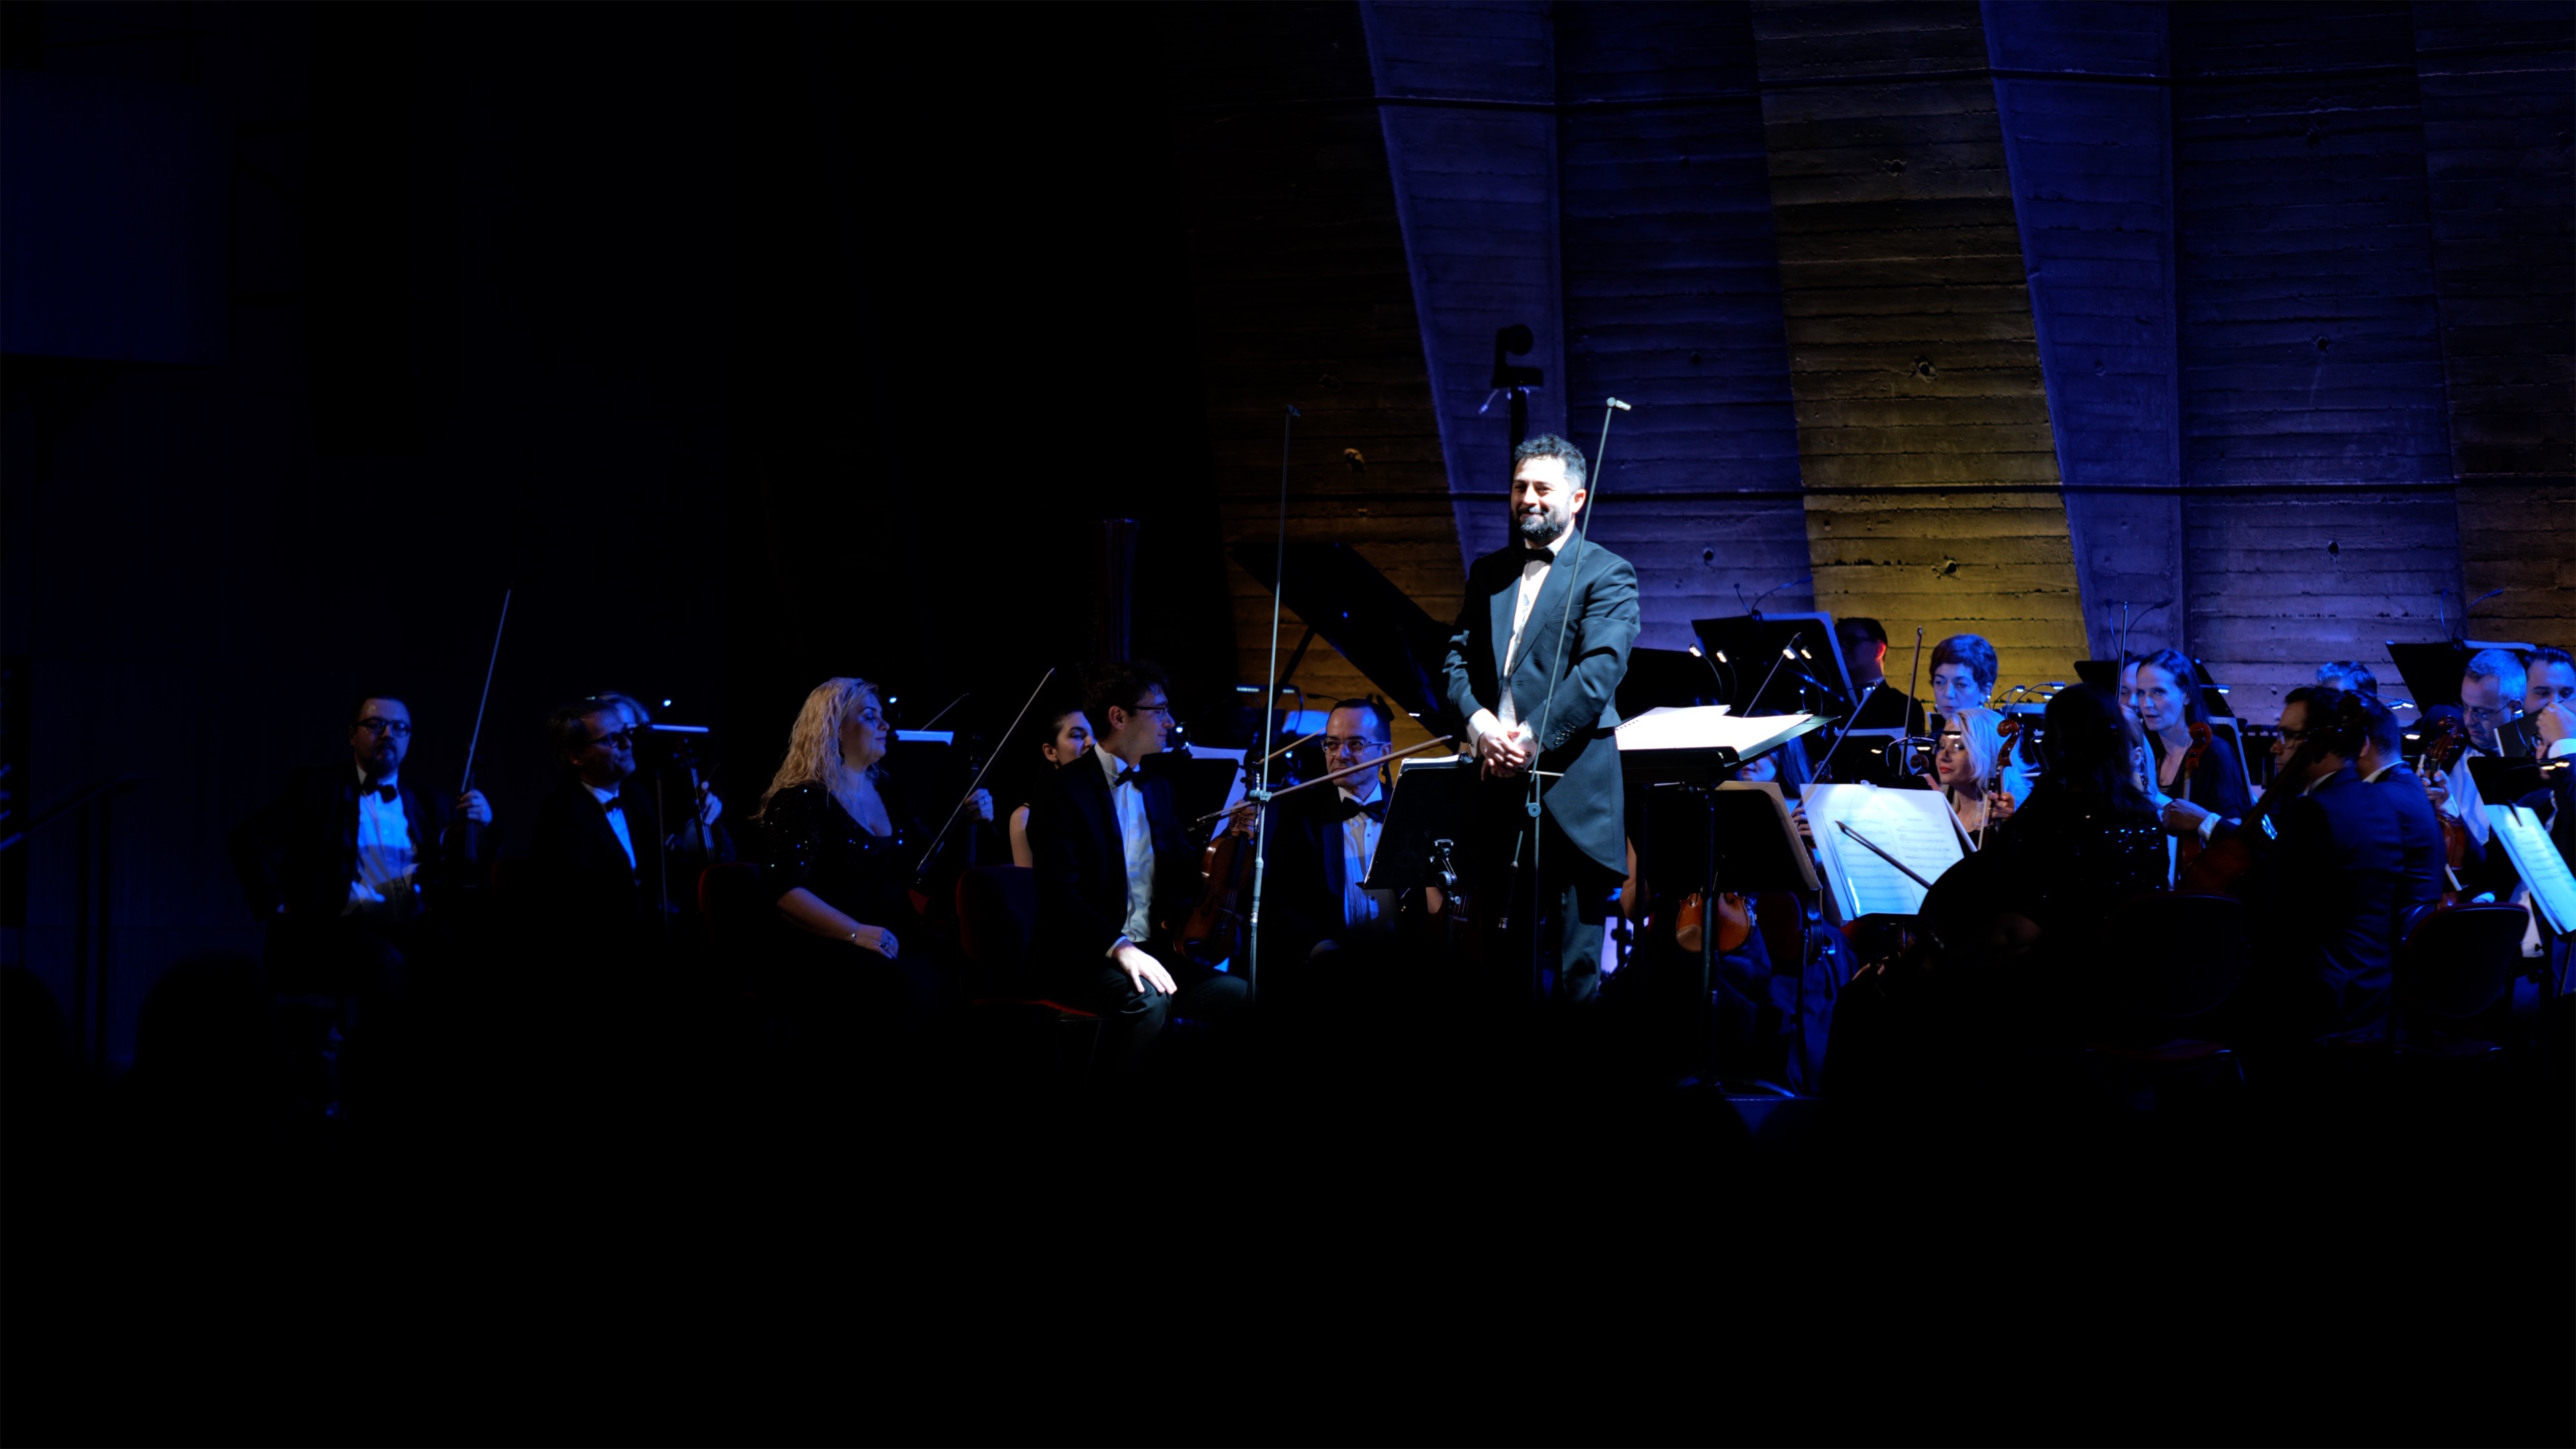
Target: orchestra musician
[
  {"x": 2350, "y": 675},
  {"x": 2198, "y": 775},
  {"x": 2549, "y": 701},
  {"x": 2381, "y": 763},
  {"x": 602, "y": 851},
  {"x": 335, "y": 864},
  {"x": 1115, "y": 871},
  {"x": 842, "y": 844},
  {"x": 2324, "y": 901},
  {"x": 2129, "y": 687},
  {"x": 1068, "y": 738},
  {"x": 1965, "y": 671},
  {"x": 1964, "y": 770},
  {"x": 2493, "y": 685},
  {"x": 1322, "y": 843},
  {"x": 1876, "y": 705},
  {"x": 1542, "y": 642}
]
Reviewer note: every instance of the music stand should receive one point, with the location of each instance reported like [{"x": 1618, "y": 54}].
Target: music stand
[
  {"x": 1426, "y": 826},
  {"x": 1660, "y": 677},
  {"x": 1751, "y": 644},
  {"x": 2102, "y": 672},
  {"x": 1748, "y": 845},
  {"x": 1199, "y": 787},
  {"x": 2431, "y": 671}
]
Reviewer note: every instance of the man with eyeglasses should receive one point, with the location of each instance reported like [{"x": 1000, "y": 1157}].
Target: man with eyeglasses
[
  {"x": 602, "y": 852},
  {"x": 2325, "y": 901},
  {"x": 336, "y": 863},
  {"x": 1115, "y": 873},
  {"x": 1322, "y": 842},
  {"x": 2492, "y": 686}
]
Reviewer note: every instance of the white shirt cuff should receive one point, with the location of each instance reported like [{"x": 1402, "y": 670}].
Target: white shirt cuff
[
  {"x": 1114, "y": 945},
  {"x": 1480, "y": 724},
  {"x": 2208, "y": 827},
  {"x": 2563, "y": 748}
]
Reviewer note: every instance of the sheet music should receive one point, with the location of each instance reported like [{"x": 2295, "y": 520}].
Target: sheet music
[
  {"x": 1703, "y": 727},
  {"x": 1915, "y": 826},
  {"x": 2536, "y": 856},
  {"x": 1234, "y": 795}
]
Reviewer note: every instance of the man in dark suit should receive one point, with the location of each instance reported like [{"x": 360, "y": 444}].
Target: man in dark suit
[
  {"x": 2382, "y": 764},
  {"x": 1115, "y": 872},
  {"x": 1540, "y": 646},
  {"x": 602, "y": 851},
  {"x": 335, "y": 864},
  {"x": 1322, "y": 842},
  {"x": 2324, "y": 901}
]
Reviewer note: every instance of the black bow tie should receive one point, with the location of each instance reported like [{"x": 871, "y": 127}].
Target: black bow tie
[
  {"x": 1373, "y": 809},
  {"x": 1127, "y": 777},
  {"x": 613, "y": 802},
  {"x": 1538, "y": 555},
  {"x": 388, "y": 793}
]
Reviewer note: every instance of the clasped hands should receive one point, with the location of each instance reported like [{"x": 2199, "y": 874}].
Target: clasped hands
[{"x": 1504, "y": 754}]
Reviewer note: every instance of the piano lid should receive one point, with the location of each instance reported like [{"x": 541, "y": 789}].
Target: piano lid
[{"x": 1360, "y": 612}]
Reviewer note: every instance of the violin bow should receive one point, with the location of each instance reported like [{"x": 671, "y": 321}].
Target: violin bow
[
  {"x": 1344, "y": 772},
  {"x": 995, "y": 754},
  {"x": 489, "y": 665}
]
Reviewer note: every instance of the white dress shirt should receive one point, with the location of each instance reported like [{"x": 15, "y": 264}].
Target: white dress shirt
[
  {"x": 1506, "y": 711},
  {"x": 2464, "y": 804},
  {"x": 616, "y": 820},
  {"x": 1137, "y": 834},
  {"x": 1361, "y": 907},
  {"x": 384, "y": 885}
]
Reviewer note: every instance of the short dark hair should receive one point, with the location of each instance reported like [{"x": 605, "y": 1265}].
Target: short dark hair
[
  {"x": 1120, "y": 685},
  {"x": 1376, "y": 711},
  {"x": 2379, "y": 726},
  {"x": 2334, "y": 718},
  {"x": 358, "y": 706},
  {"x": 2349, "y": 674},
  {"x": 1861, "y": 624},
  {"x": 1971, "y": 650},
  {"x": 2091, "y": 748},
  {"x": 2174, "y": 663},
  {"x": 2545, "y": 654},
  {"x": 1549, "y": 445},
  {"x": 567, "y": 728}
]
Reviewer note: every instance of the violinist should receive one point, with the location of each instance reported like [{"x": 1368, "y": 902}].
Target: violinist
[
  {"x": 2349, "y": 675},
  {"x": 1114, "y": 870},
  {"x": 335, "y": 864},
  {"x": 2198, "y": 778},
  {"x": 843, "y": 843},
  {"x": 1966, "y": 769},
  {"x": 1965, "y": 670},
  {"x": 2549, "y": 701},
  {"x": 600, "y": 847},
  {"x": 1875, "y": 703},
  {"x": 1068, "y": 739},
  {"x": 1322, "y": 842},
  {"x": 2493, "y": 686}
]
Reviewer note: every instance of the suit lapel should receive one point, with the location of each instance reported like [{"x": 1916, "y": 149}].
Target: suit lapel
[
  {"x": 1508, "y": 575},
  {"x": 1539, "y": 643}
]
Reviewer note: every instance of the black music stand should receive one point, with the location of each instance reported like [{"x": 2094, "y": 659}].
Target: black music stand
[
  {"x": 1424, "y": 843},
  {"x": 1660, "y": 677},
  {"x": 2431, "y": 671},
  {"x": 1751, "y": 644},
  {"x": 1199, "y": 787}
]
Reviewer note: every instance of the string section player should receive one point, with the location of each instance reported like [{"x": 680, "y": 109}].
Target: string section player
[{"x": 1540, "y": 646}]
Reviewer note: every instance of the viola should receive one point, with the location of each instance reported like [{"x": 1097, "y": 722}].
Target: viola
[
  {"x": 1208, "y": 935},
  {"x": 2450, "y": 740}
]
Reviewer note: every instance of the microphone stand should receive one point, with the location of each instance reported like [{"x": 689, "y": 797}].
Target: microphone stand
[
  {"x": 1260, "y": 793},
  {"x": 1547, "y": 707}
]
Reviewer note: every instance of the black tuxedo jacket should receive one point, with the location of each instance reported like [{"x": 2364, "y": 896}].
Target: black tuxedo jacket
[
  {"x": 2420, "y": 842},
  {"x": 2325, "y": 903},
  {"x": 1585, "y": 672},
  {"x": 301, "y": 849},
  {"x": 1299, "y": 906},
  {"x": 1082, "y": 864},
  {"x": 580, "y": 865}
]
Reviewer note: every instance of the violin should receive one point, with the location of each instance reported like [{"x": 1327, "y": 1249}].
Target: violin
[
  {"x": 2187, "y": 848},
  {"x": 1734, "y": 922},
  {"x": 2450, "y": 740},
  {"x": 1209, "y": 933}
]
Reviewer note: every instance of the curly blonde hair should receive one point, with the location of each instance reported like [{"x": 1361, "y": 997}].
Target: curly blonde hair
[{"x": 814, "y": 743}]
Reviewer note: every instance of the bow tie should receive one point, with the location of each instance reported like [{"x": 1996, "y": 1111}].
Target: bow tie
[
  {"x": 1537, "y": 556},
  {"x": 387, "y": 793},
  {"x": 614, "y": 802},
  {"x": 1373, "y": 809},
  {"x": 1127, "y": 777}
]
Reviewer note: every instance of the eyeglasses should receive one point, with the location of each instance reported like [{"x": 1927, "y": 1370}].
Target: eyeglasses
[
  {"x": 2295, "y": 736},
  {"x": 398, "y": 728},
  {"x": 2486, "y": 712},
  {"x": 622, "y": 739},
  {"x": 1164, "y": 710},
  {"x": 1351, "y": 745}
]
